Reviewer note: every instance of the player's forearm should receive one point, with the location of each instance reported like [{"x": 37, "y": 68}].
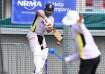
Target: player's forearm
[
  {"x": 72, "y": 57},
  {"x": 84, "y": 30},
  {"x": 42, "y": 14}
]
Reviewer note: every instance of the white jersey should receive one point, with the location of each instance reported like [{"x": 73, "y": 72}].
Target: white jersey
[
  {"x": 85, "y": 43},
  {"x": 41, "y": 25}
]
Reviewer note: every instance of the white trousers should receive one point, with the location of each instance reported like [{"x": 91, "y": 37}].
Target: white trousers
[{"x": 40, "y": 56}]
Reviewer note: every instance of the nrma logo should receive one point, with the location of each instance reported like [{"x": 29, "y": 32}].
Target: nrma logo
[{"x": 29, "y": 4}]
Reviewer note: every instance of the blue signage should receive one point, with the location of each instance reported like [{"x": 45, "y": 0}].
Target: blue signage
[{"x": 23, "y": 11}]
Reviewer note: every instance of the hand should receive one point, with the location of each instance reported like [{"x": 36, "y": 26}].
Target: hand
[
  {"x": 67, "y": 59},
  {"x": 49, "y": 25},
  {"x": 81, "y": 20},
  {"x": 48, "y": 22},
  {"x": 58, "y": 42},
  {"x": 49, "y": 29}
]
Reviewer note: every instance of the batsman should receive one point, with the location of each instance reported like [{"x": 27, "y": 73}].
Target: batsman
[{"x": 43, "y": 22}]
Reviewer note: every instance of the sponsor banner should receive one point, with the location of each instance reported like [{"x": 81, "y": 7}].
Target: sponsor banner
[{"x": 23, "y": 11}]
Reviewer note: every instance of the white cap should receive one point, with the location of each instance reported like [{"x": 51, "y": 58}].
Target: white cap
[{"x": 71, "y": 17}]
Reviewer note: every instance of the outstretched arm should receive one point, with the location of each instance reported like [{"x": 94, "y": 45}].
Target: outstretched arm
[
  {"x": 72, "y": 57},
  {"x": 87, "y": 34}
]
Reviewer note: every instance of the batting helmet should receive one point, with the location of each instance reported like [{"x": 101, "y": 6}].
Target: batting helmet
[{"x": 49, "y": 8}]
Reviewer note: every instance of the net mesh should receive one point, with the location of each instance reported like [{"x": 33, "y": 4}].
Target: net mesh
[{"x": 16, "y": 56}]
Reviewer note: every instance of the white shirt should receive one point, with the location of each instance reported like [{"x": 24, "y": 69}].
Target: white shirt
[
  {"x": 41, "y": 25},
  {"x": 90, "y": 50}
]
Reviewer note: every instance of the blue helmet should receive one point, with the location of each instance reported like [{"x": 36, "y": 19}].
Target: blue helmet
[{"x": 49, "y": 8}]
